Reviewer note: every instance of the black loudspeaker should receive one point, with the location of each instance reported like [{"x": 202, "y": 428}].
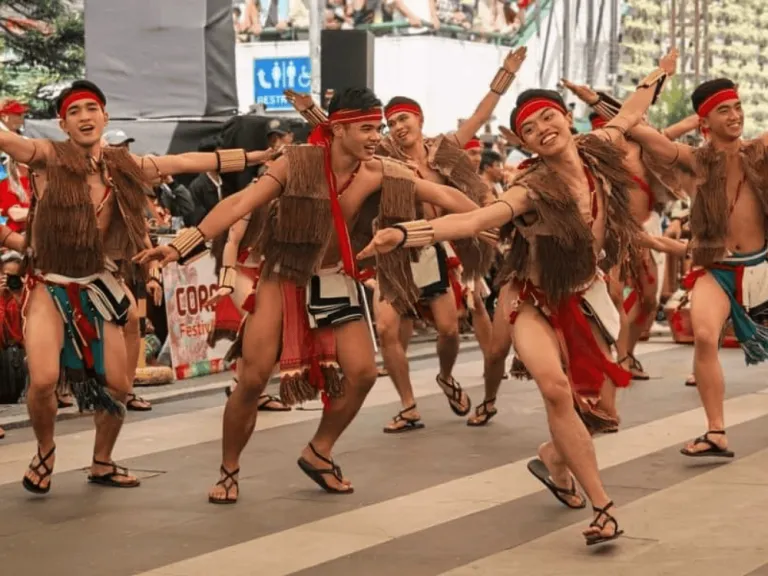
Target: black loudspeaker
[
  {"x": 346, "y": 60},
  {"x": 156, "y": 59}
]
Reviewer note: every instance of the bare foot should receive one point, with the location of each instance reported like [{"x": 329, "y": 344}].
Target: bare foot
[
  {"x": 324, "y": 471},
  {"x": 559, "y": 473},
  {"x": 227, "y": 489}
]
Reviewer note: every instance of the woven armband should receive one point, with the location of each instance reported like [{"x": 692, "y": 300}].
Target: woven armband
[
  {"x": 231, "y": 160},
  {"x": 502, "y": 81},
  {"x": 227, "y": 276},
  {"x": 314, "y": 116},
  {"x": 188, "y": 243},
  {"x": 418, "y": 233},
  {"x": 654, "y": 80},
  {"x": 155, "y": 274}
]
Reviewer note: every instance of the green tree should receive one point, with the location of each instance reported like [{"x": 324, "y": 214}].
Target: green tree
[
  {"x": 43, "y": 43},
  {"x": 674, "y": 105}
]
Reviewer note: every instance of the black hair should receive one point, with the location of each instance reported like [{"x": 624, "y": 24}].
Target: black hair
[
  {"x": 76, "y": 86},
  {"x": 706, "y": 89},
  {"x": 353, "y": 99},
  {"x": 489, "y": 158},
  {"x": 209, "y": 144},
  {"x": 402, "y": 100},
  {"x": 532, "y": 94}
]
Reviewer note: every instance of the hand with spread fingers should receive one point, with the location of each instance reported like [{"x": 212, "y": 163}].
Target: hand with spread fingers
[
  {"x": 221, "y": 292},
  {"x": 669, "y": 62},
  {"x": 582, "y": 92},
  {"x": 300, "y": 102},
  {"x": 515, "y": 59},
  {"x": 164, "y": 254},
  {"x": 384, "y": 241}
]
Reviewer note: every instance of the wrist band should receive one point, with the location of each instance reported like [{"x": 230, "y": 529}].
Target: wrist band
[
  {"x": 156, "y": 274},
  {"x": 656, "y": 80},
  {"x": 502, "y": 81},
  {"x": 227, "y": 276},
  {"x": 188, "y": 242},
  {"x": 231, "y": 160},
  {"x": 418, "y": 234}
]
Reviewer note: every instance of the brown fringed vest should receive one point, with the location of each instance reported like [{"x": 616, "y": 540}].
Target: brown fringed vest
[
  {"x": 452, "y": 163},
  {"x": 709, "y": 211},
  {"x": 562, "y": 241},
  {"x": 299, "y": 228},
  {"x": 63, "y": 227}
]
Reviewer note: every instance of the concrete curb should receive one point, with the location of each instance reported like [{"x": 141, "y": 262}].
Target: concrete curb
[{"x": 189, "y": 392}]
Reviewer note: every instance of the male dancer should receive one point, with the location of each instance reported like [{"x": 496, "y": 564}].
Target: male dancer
[
  {"x": 438, "y": 160},
  {"x": 569, "y": 206},
  {"x": 306, "y": 306},
  {"x": 728, "y": 244},
  {"x": 73, "y": 302}
]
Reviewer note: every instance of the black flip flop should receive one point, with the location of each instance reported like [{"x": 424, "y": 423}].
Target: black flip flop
[
  {"x": 482, "y": 411},
  {"x": 539, "y": 470},
  {"x": 131, "y": 403},
  {"x": 317, "y": 475},
  {"x": 108, "y": 479},
  {"x": 36, "y": 487},
  {"x": 593, "y": 539},
  {"x": 410, "y": 425},
  {"x": 713, "y": 450},
  {"x": 265, "y": 406}
]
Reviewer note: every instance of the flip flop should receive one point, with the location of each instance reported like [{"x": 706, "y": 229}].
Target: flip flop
[
  {"x": 483, "y": 412},
  {"x": 266, "y": 399},
  {"x": 713, "y": 450},
  {"x": 455, "y": 395},
  {"x": 108, "y": 479},
  {"x": 133, "y": 403},
  {"x": 539, "y": 470},
  {"x": 227, "y": 477},
  {"x": 317, "y": 475},
  {"x": 593, "y": 539},
  {"x": 410, "y": 423}
]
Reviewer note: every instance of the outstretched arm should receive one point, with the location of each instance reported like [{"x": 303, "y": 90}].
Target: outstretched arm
[
  {"x": 223, "y": 215},
  {"x": 452, "y": 227},
  {"x": 30, "y": 151},
  {"x": 446, "y": 197},
  {"x": 681, "y": 128},
  {"x": 11, "y": 239},
  {"x": 663, "y": 244},
  {"x": 222, "y": 161},
  {"x": 487, "y": 105},
  {"x": 662, "y": 147}
]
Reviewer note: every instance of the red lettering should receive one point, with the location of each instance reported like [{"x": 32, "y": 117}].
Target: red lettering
[
  {"x": 191, "y": 299},
  {"x": 192, "y": 302},
  {"x": 180, "y": 302}
]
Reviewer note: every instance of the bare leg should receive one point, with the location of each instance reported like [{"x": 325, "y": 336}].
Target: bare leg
[
  {"x": 710, "y": 308},
  {"x": 616, "y": 291},
  {"x": 358, "y": 363},
  {"x": 132, "y": 336},
  {"x": 495, "y": 358},
  {"x": 388, "y": 326},
  {"x": 537, "y": 347},
  {"x": 44, "y": 336},
  {"x": 261, "y": 342},
  {"x": 446, "y": 317},
  {"x": 481, "y": 322},
  {"x": 108, "y": 425}
]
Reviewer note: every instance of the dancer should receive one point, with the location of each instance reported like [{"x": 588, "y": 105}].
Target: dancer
[
  {"x": 569, "y": 206},
  {"x": 439, "y": 160},
  {"x": 73, "y": 302},
  {"x": 307, "y": 311},
  {"x": 728, "y": 245}
]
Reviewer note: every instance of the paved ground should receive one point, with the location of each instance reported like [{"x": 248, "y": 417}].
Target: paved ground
[{"x": 444, "y": 500}]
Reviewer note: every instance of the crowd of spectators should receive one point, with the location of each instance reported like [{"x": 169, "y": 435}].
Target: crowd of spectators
[{"x": 255, "y": 19}]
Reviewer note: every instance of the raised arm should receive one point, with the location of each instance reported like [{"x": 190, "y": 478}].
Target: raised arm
[
  {"x": 222, "y": 161},
  {"x": 30, "y": 151},
  {"x": 681, "y": 128},
  {"x": 446, "y": 197},
  {"x": 223, "y": 215},
  {"x": 662, "y": 147},
  {"x": 452, "y": 227},
  {"x": 499, "y": 87}
]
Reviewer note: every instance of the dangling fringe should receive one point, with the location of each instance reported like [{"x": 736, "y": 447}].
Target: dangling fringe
[
  {"x": 518, "y": 370},
  {"x": 68, "y": 241},
  {"x": 296, "y": 389},
  {"x": 756, "y": 348},
  {"x": 709, "y": 211},
  {"x": 91, "y": 392}
]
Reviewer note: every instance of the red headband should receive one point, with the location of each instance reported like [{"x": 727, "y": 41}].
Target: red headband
[
  {"x": 321, "y": 135},
  {"x": 715, "y": 100},
  {"x": 533, "y": 106},
  {"x": 76, "y": 96},
  {"x": 473, "y": 144},
  {"x": 14, "y": 107},
  {"x": 397, "y": 108},
  {"x": 598, "y": 122}
]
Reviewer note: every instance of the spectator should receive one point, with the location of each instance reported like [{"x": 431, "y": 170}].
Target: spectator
[
  {"x": 492, "y": 171},
  {"x": 117, "y": 139},
  {"x": 13, "y": 373},
  {"x": 14, "y": 177},
  {"x": 451, "y": 13},
  {"x": 278, "y": 134},
  {"x": 205, "y": 189}
]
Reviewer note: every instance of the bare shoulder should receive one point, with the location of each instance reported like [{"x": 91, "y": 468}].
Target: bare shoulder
[{"x": 279, "y": 168}]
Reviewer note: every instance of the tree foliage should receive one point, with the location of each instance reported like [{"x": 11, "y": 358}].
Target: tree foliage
[
  {"x": 674, "y": 105},
  {"x": 43, "y": 45}
]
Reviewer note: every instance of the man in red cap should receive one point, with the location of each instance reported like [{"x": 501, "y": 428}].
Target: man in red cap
[
  {"x": 569, "y": 209},
  {"x": 14, "y": 184},
  {"x": 88, "y": 203},
  {"x": 728, "y": 246}
]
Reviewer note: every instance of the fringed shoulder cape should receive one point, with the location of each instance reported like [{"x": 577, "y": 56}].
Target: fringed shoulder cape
[{"x": 555, "y": 238}]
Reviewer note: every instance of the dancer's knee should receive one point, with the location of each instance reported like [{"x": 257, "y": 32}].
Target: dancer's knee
[
  {"x": 362, "y": 379},
  {"x": 706, "y": 339},
  {"x": 556, "y": 391}
]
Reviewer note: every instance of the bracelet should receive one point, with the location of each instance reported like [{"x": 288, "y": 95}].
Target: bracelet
[
  {"x": 502, "y": 81},
  {"x": 227, "y": 276},
  {"x": 654, "y": 79},
  {"x": 417, "y": 234},
  {"x": 187, "y": 242},
  {"x": 231, "y": 160}
]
